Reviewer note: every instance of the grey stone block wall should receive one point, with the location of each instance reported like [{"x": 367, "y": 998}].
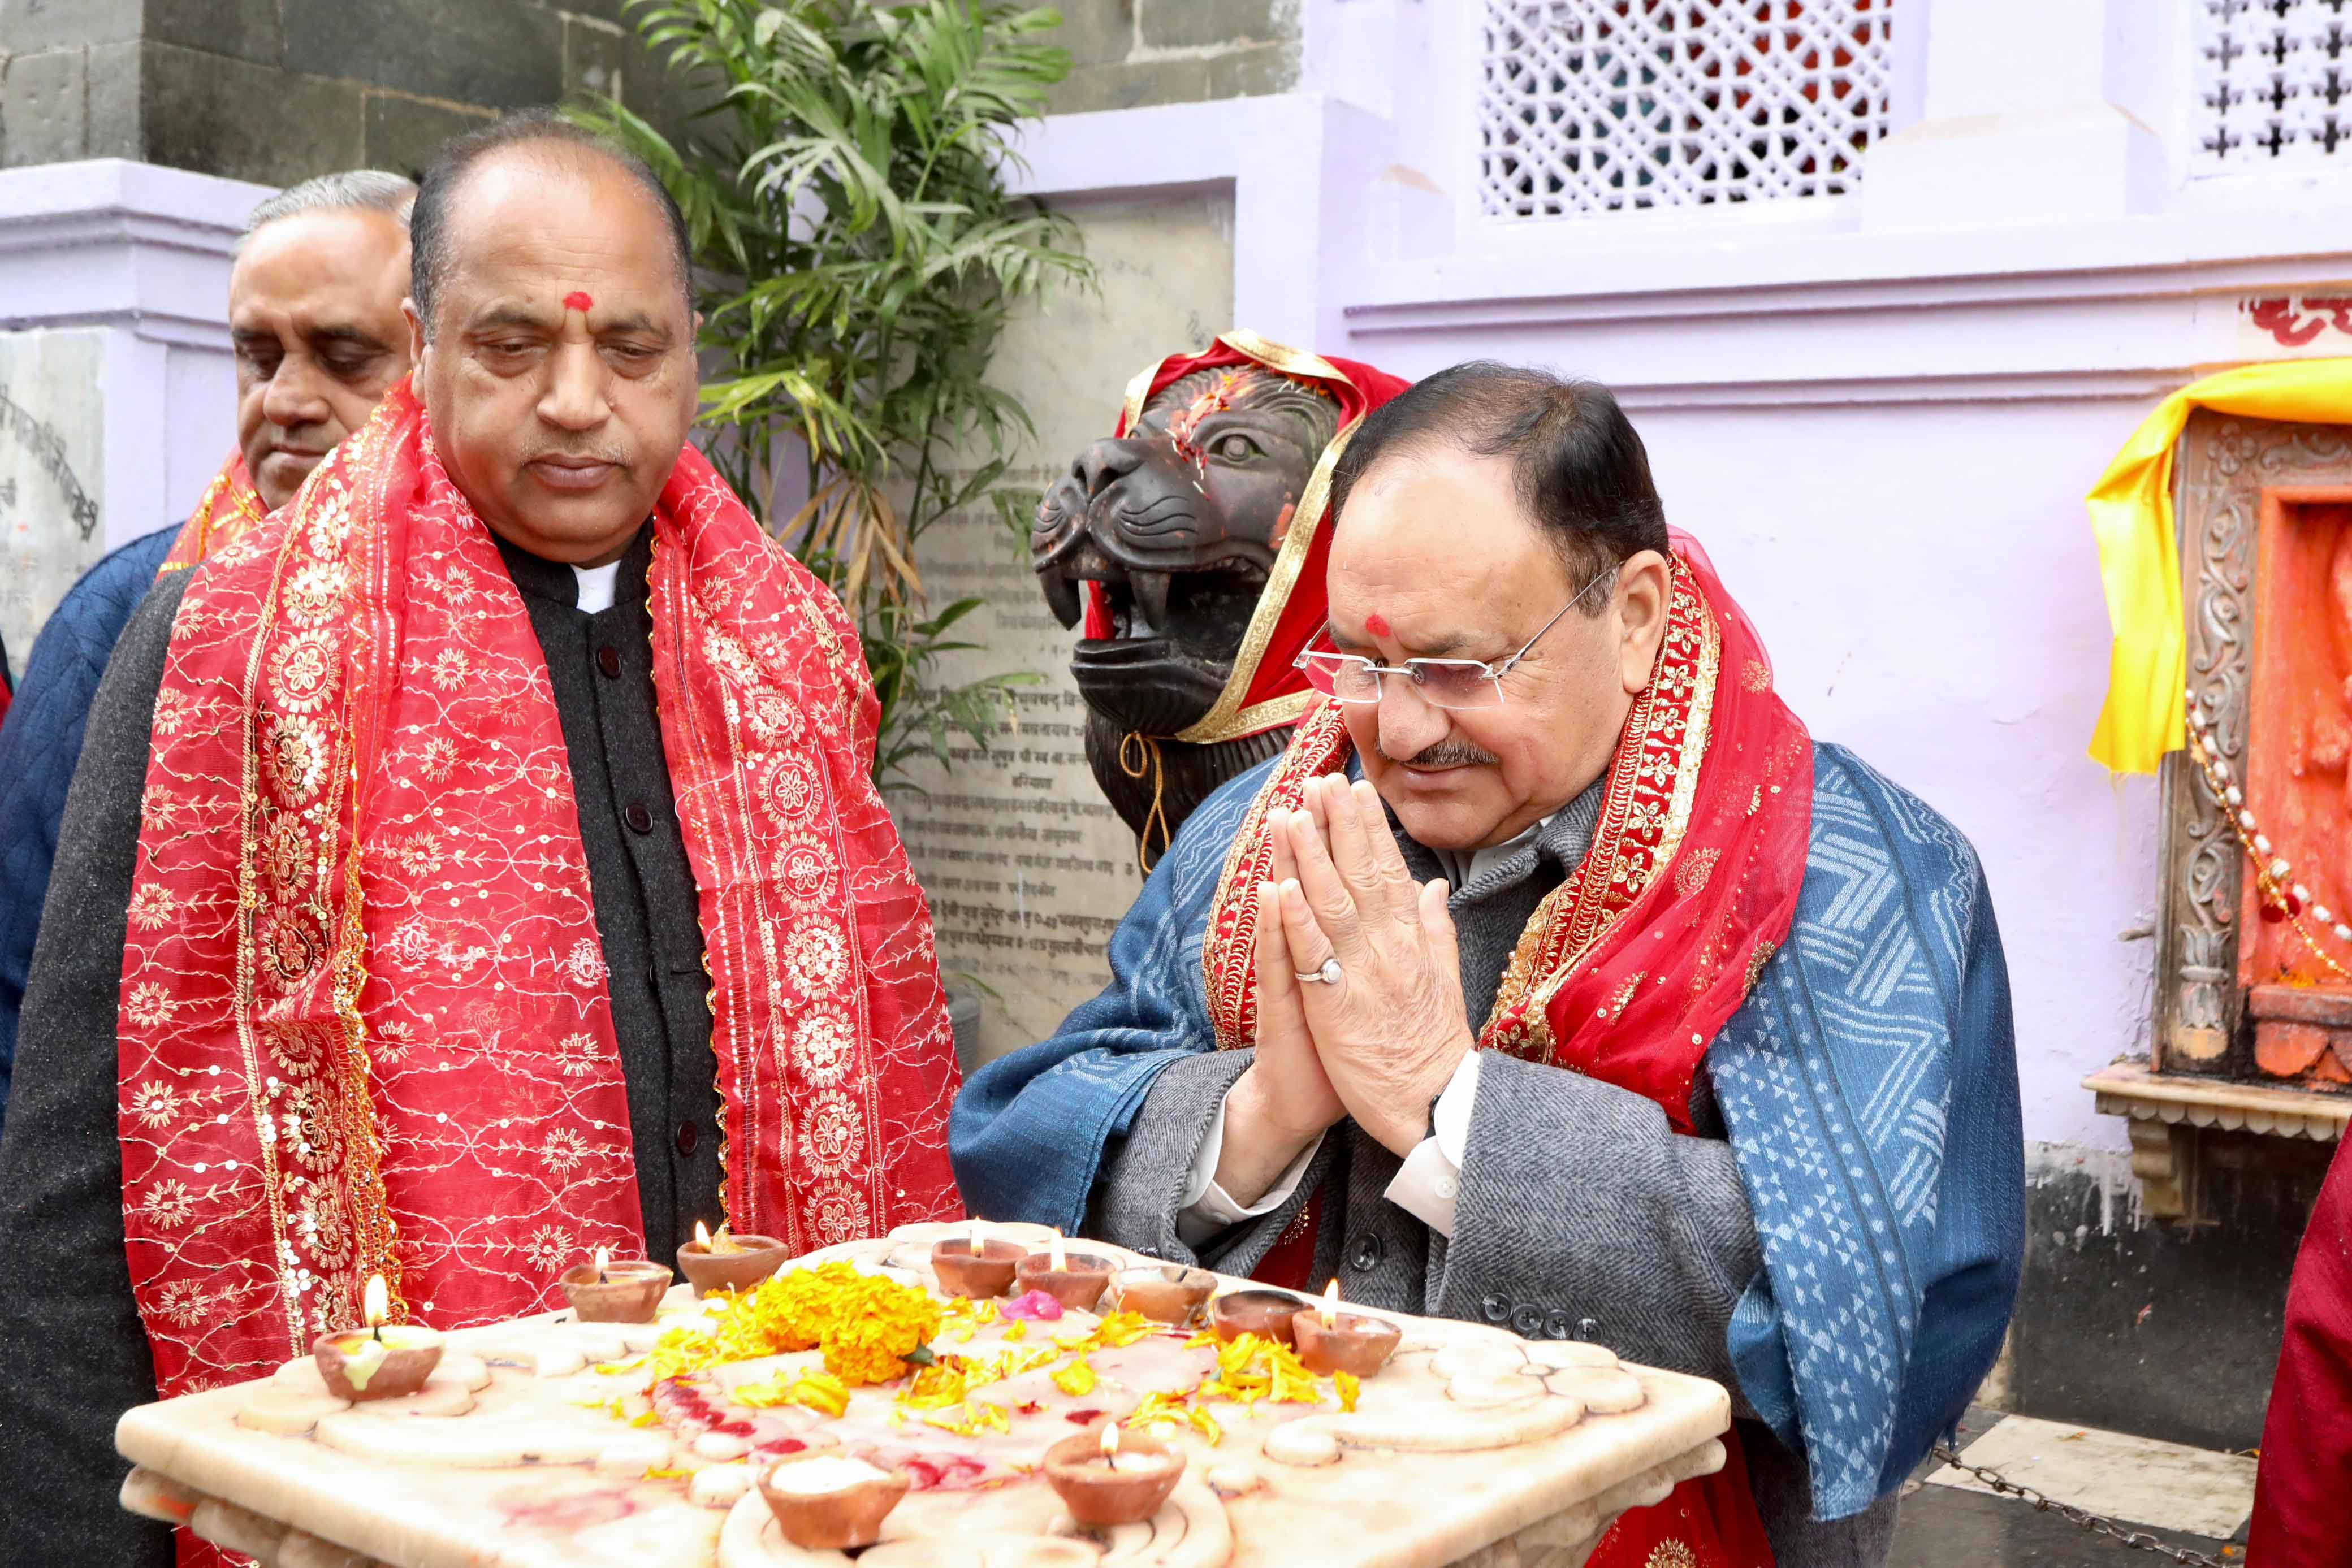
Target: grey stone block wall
[
  {"x": 1125, "y": 54},
  {"x": 276, "y": 90}
]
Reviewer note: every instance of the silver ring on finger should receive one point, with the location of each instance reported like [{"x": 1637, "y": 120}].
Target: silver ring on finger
[{"x": 1329, "y": 975}]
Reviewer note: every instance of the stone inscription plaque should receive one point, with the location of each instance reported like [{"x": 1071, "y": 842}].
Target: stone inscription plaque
[
  {"x": 1028, "y": 867},
  {"x": 52, "y": 422}
]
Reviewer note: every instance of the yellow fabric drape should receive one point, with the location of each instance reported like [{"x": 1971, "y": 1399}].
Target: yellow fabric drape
[{"x": 2147, "y": 711}]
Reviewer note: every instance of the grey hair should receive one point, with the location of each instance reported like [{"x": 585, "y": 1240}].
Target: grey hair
[{"x": 351, "y": 191}]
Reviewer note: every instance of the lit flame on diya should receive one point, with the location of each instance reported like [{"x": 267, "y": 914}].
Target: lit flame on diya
[
  {"x": 378, "y": 1305},
  {"x": 1331, "y": 1304},
  {"x": 1055, "y": 1258},
  {"x": 702, "y": 1236},
  {"x": 976, "y": 1247},
  {"x": 1110, "y": 1444},
  {"x": 603, "y": 1259}
]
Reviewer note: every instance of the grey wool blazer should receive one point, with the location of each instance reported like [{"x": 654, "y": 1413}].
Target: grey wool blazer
[{"x": 1582, "y": 1214}]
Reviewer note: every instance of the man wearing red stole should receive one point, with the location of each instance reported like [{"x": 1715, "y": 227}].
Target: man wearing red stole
[
  {"x": 496, "y": 873},
  {"x": 1554, "y": 978}
]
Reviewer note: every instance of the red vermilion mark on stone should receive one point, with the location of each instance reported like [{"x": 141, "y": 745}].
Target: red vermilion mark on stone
[
  {"x": 578, "y": 300},
  {"x": 526, "y": 1509},
  {"x": 1377, "y": 625}
]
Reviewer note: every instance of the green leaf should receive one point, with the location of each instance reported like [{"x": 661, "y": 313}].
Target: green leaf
[{"x": 858, "y": 253}]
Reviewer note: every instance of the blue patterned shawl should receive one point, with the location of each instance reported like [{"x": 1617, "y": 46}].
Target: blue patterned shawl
[{"x": 1876, "y": 1037}]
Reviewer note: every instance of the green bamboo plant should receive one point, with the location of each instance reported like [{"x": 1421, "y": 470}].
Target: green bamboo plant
[{"x": 859, "y": 253}]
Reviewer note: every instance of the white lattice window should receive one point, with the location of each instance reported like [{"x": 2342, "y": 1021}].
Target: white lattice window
[
  {"x": 2274, "y": 83},
  {"x": 1593, "y": 105}
]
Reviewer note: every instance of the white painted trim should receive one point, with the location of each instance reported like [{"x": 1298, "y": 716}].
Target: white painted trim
[
  {"x": 142, "y": 254},
  {"x": 2171, "y": 253},
  {"x": 2124, "y": 308},
  {"x": 111, "y": 242},
  {"x": 210, "y": 210}
]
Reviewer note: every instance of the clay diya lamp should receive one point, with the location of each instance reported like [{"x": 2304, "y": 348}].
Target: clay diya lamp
[
  {"x": 1268, "y": 1314},
  {"x": 379, "y": 1362},
  {"x": 1076, "y": 1280},
  {"x": 1116, "y": 1478},
  {"x": 728, "y": 1262},
  {"x": 1164, "y": 1292},
  {"x": 1332, "y": 1342},
  {"x": 975, "y": 1265},
  {"x": 606, "y": 1291},
  {"x": 829, "y": 1503}
]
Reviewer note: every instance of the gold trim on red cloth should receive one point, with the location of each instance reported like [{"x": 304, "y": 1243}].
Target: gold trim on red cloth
[
  {"x": 1228, "y": 720},
  {"x": 229, "y": 506},
  {"x": 1645, "y": 810},
  {"x": 364, "y": 1026},
  {"x": 1233, "y": 715}
]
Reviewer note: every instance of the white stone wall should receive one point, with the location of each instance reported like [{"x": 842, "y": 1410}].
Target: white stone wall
[
  {"x": 1028, "y": 867},
  {"x": 52, "y": 472},
  {"x": 114, "y": 361}
]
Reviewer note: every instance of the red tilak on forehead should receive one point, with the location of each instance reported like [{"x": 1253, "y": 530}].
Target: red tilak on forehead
[
  {"x": 1377, "y": 625},
  {"x": 578, "y": 300}
]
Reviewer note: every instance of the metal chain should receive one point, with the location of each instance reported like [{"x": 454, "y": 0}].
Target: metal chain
[{"x": 2077, "y": 1516}]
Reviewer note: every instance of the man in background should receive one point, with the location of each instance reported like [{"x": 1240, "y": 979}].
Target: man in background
[{"x": 314, "y": 313}]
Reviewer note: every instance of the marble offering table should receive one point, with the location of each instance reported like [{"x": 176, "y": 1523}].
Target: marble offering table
[{"x": 549, "y": 1443}]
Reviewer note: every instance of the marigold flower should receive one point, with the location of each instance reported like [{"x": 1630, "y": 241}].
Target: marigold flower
[{"x": 865, "y": 1324}]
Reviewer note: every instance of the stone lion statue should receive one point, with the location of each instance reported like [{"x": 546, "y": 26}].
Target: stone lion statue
[{"x": 1170, "y": 530}]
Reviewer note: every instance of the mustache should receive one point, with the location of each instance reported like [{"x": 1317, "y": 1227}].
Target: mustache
[
  {"x": 592, "y": 454},
  {"x": 1453, "y": 752}
]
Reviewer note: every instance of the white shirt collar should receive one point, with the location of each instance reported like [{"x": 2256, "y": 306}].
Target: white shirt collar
[{"x": 596, "y": 586}]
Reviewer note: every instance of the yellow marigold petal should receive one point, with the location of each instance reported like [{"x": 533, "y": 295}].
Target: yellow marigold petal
[{"x": 1120, "y": 1330}]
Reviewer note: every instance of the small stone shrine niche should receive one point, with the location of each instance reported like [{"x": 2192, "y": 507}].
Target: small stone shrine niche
[
  {"x": 2291, "y": 971},
  {"x": 2264, "y": 513},
  {"x": 2254, "y": 993}
]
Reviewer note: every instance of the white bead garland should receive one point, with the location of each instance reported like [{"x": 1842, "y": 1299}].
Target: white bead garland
[{"x": 2279, "y": 896}]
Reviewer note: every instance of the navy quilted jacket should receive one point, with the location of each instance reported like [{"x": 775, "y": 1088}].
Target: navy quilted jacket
[{"x": 39, "y": 743}]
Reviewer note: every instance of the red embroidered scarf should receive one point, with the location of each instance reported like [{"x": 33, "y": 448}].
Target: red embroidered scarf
[
  {"x": 229, "y": 506},
  {"x": 364, "y": 1026},
  {"x": 1628, "y": 968}
]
